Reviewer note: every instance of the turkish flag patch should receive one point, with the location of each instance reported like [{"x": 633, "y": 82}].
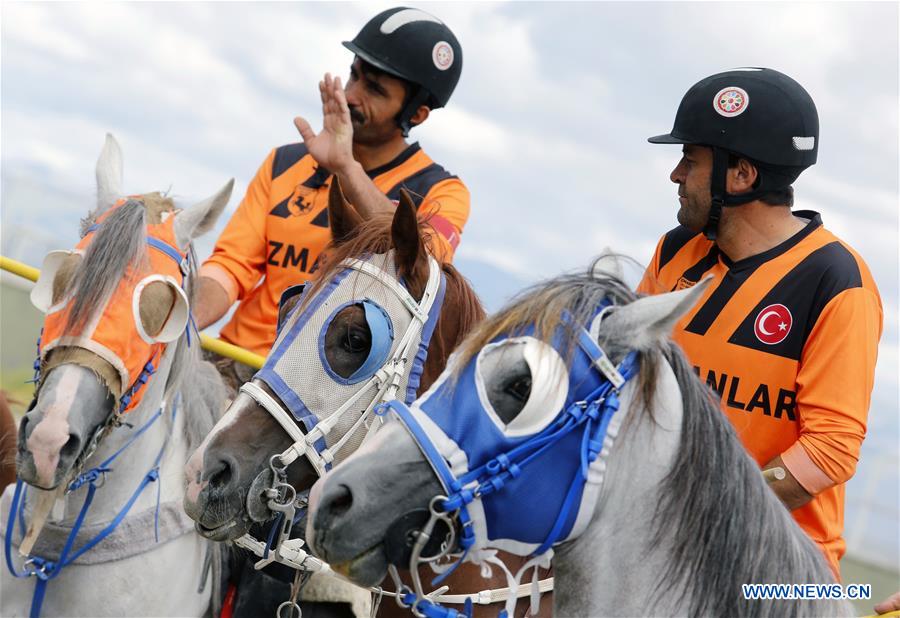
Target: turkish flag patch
[{"x": 773, "y": 324}]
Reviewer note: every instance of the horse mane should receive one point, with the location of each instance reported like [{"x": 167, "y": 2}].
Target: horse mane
[
  {"x": 373, "y": 237},
  {"x": 203, "y": 396},
  {"x": 542, "y": 306},
  {"x": 118, "y": 243},
  {"x": 725, "y": 524}
]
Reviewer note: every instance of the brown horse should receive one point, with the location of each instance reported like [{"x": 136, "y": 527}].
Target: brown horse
[
  {"x": 227, "y": 475},
  {"x": 7, "y": 443}
]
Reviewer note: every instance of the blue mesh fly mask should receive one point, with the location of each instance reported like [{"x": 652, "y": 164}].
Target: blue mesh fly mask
[{"x": 491, "y": 471}]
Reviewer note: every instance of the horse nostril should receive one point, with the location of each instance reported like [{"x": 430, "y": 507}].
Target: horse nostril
[
  {"x": 23, "y": 429},
  {"x": 340, "y": 501},
  {"x": 220, "y": 474},
  {"x": 72, "y": 449}
]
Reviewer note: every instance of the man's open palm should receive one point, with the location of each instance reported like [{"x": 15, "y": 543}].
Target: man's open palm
[{"x": 333, "y": 146}]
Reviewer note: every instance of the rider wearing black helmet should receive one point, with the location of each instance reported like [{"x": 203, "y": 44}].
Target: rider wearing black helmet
[
  {"x": 417, "y": 48},
  {"x": 775, "y": 130},
  {"x": 788, "y": 333},
  {"x": 407, "y": 62}
]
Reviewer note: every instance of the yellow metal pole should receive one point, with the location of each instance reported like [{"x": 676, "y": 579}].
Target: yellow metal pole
[
  {"x": 208, "y": 343},
  {"x": 18, "y": 268},
  {"x": 229, "y": 350}
]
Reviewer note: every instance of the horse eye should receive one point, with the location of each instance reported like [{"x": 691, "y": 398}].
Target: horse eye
[
  {"x": 355, "y": 342},
  {"x": 519, "y": 389}
]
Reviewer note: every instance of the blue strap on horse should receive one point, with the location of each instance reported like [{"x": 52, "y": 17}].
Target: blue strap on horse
[
  {"x": 592, "y": 415},
  {"x": 184, "y": 264},
  {"x": 49, "y": 569},
  {"x": 37, "y": 361},
  {"x": 433, "y": 610}
]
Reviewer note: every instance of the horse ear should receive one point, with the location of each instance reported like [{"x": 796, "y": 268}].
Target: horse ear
[
  {"x": 608, "y": 264},
  {"x": 409, "y": 250},
  {"x": 200, "y": 218},
  {"x": 109, "y": 174},
  {"x": 342, "y": 217},
  {"x": 648, "y": 321}
]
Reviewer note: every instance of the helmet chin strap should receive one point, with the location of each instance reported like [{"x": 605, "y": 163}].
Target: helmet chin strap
[
  {"x": 717, "y": 190},
  {"x": 721, "y": 198},
  {"x": 409, "y": 110}
]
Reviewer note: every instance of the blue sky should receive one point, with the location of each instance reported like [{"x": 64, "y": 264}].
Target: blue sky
[{"x": 548, "y": 128}]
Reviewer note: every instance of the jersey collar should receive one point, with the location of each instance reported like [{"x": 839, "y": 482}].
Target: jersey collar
[
  {"x": 754, "y": 261},
  {"x": 400, "y": 159}
]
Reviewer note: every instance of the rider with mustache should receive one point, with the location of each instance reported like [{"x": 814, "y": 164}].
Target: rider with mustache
[
  {"x": 787, "y": 334},
  {"x": 407, "y": 63}
]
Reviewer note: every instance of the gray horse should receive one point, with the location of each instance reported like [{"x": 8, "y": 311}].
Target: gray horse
[
  {"x": 678, "y": 517},
  {"x": 118, "y": 302}
]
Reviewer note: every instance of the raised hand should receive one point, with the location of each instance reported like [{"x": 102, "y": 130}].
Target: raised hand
[{"x": 333, "y": 146}]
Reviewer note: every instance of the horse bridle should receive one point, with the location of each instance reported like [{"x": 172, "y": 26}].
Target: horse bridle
[
  {"x": 46, "y": 570},
  {"x": 593, "y": 416},
  {"x": 186, "y": 264},
  {"x": 386, "y": 381}
]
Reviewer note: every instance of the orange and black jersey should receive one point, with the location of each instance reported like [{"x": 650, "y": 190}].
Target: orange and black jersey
[
  {"x": 275, "y": 237},
  {"x": 788, "y": 339}
]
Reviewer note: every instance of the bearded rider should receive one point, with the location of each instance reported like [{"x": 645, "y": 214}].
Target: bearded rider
[
  {"x": 787, "y": 335},
  {"x": 406, "y": 64}
]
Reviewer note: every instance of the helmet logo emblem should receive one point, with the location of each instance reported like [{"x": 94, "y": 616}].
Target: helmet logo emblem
[
  {"x": 773, "y": 324},
  {"x": 731, "y": 101},
  {"x": 442, "y": 55}
]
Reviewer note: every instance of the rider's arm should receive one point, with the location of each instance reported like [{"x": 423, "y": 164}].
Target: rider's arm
[
  {"x": 332, "y": 147},
  {"x": 650, "y": 283},
  {"x": 358, "y": 188},
  {"x": 834, "y": 386},
  {"x": 788, "y": 489},
  {"x": 446, "y": 209},
  {"x": 212, "y": 302},
  {"x": 238, "y": 260}
]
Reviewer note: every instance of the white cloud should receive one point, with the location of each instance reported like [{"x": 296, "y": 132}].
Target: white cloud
[
  {"x": 465, "y": 133},
  {"x": 509, "y": 261},
  {"x": 34, "y": 28}
]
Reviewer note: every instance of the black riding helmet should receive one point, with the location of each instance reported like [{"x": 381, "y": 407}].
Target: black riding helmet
[
  {"x": 417, "y": 47},
  {"x": 755, "y": 113}
]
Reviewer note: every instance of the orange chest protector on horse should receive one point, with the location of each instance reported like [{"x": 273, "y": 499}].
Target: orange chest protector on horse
[{"x": 116, "y": 331}]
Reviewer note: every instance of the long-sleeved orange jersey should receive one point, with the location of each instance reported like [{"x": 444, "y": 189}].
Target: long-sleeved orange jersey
[
  {"x": 275, "y": 237},
  {"x": 788, "y": 339}
]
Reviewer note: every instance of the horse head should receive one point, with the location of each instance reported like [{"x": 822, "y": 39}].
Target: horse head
[
  {"x": 382, "y": 316},
  {"x": 569, "y": 427},
  {"x": 112, "y": 306},
  {"x": 514, "y": 387}
]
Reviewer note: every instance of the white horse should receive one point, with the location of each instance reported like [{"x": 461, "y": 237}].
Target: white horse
[
  {"x": 118, "y": 302},
  {"x": 651, "y": 507}
]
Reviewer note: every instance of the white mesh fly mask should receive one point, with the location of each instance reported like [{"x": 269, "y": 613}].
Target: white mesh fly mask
[{"x": 336, "y": 412}]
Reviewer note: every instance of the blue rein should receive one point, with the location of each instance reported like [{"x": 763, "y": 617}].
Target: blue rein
[{"x": 45, "y": 569}]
